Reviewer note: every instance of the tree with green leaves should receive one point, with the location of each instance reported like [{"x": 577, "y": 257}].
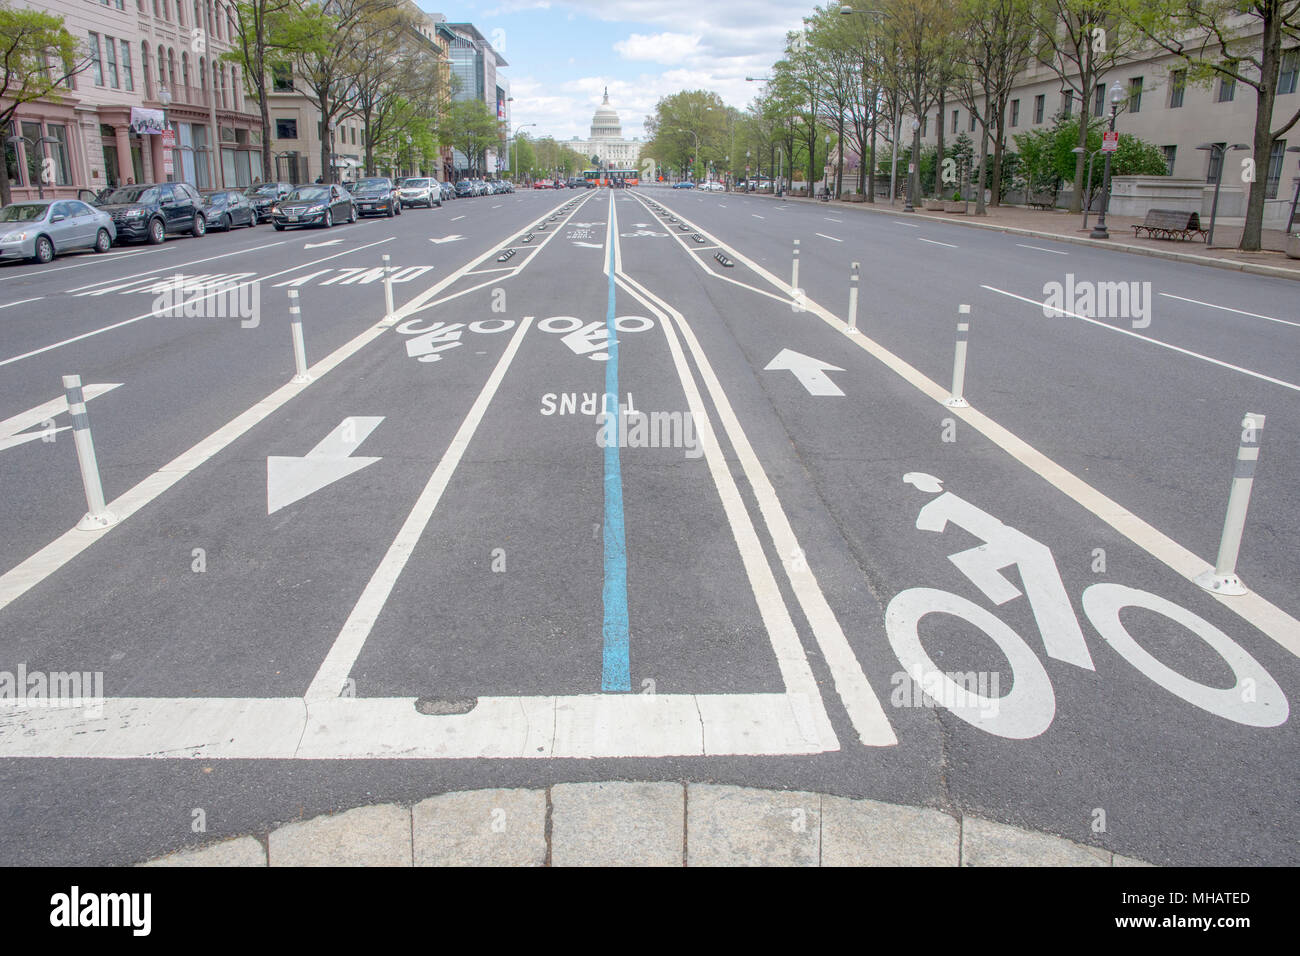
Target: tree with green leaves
[
  {"x": 38, "y": 58},
  {"x": 686, "y": 126},
  {"x": 472, "y": 130},
  {"x": 1239, "y": 41},
  {"x": 1047, "y": 157}
]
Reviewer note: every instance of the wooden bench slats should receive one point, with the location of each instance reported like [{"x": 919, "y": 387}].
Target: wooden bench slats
[{"x": 1170, "y": 224}]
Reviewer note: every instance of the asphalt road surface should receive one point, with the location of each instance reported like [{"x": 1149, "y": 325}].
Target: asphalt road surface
[{"x": 613, "y": 507}]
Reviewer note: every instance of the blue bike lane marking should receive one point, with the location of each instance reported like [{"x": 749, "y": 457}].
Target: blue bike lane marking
[{"x": 615, "y": 675}]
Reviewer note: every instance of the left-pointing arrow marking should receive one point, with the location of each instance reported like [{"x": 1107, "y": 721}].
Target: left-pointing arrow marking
[
  {"x": 10, "y": 427},
  {"x": 327, "y": 242},
  {"x": 452, "y": 238},
  {"x": 292, "y": 479},
  {"x": 810, "y": 372}
]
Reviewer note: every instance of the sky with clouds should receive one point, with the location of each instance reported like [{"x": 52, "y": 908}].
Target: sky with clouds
[{"x": 562, "y": 53}]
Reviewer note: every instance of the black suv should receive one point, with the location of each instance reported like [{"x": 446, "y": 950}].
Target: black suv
[
  {"x": 377, "y": 196},
  {"x": 151, "y": 210},
  {"x": 265, "y": 195}
]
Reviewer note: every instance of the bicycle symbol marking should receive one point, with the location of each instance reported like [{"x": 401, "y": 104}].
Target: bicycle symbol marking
[{"x": 1254, "y": 699}]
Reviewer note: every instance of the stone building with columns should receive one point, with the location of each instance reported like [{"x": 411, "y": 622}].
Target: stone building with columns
[
  {"x": 148, "y": 67},
  {"x": 606, "y": 141}
]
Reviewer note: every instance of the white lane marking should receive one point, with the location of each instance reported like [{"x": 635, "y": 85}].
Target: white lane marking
[
  {"x": 1055, "y": 252},
  {"x": 909, "y": 225},
  {"x": 37, "y": 273},
  {"x": 9, "y": 305},
  {"x": 1211, "y": 305},
  {"x": 936, "y": 242},
  {"x": 1251, "y": 607},
  {"x": 1145, "y": 338},
  {"x": 292, "y": 478},
  {"x": 810, "y": 372},
  {"x": 150, "y": 314},
  {"x": 830, "y": 219},
  {"x": 824, "y": 236},
  {"x": 456, "y": 218},
  {"x": 864, "y": 709},
  {"x": 31, "y": 572},
  {"x": 333, "y": 673},
  {"x": 174, "y": 266},
  {"x": 11, "y": 427},
  {"x": 497, "y": 206},
  {"x": 757, "y": 216},
  {"x": 317, "y": 245}
]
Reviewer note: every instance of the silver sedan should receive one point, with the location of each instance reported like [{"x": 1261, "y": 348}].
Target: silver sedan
[{"x": 40, "y": 229}]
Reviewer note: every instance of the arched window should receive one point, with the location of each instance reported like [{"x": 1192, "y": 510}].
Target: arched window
[
  {"x": 234, "y": 88},
  {"x": 180, "y": 16},
  {"x": 171, "y": 68},
  {"x": 198, "y": 14},
  {"x": 203, "y": 75},
  {"x": 162, "y": 67},
  {"x": 185, "y": 70},
  {"x": 155, "y": 9},
  {"x": 148, "y": 75}
]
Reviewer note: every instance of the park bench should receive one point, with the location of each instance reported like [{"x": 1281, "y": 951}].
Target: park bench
[{"x": 1170, "y": 224}]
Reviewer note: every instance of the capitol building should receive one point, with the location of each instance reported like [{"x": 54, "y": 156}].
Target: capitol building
[{"x": 606, "y": 140}]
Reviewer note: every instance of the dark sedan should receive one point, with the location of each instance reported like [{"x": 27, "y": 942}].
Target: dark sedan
[
  {"x": 314, "y": 205},
  {"x": 228, "y": 208},
  {"x": 265, "y": 195},
  {"x": 377, "y": 196}
]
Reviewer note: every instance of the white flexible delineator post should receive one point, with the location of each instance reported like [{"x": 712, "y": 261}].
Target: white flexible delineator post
[
  {"x": 853, "y": 298},
  {"x": 97, "y": 516},
  {"x": 301, "y": 377},
  {"x": 959, "y": 359},
  {"x": 388, "y": 291},
  {"x": 1222, "y": 578}
]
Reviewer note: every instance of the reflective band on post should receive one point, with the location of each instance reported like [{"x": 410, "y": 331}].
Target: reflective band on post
[
  {"x": 1222, "y": 578},
  {"x": 97, "y": 516}
]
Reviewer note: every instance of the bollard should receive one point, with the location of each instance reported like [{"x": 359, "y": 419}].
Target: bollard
[
  {"x": 98, "y": 516},
  {"x": 1222, "y": 578},
  {"x": 853, "y": 299},
  {"x": 388, "y": 291},
  {"x": 299, "y": 348},
  {"x": 959, "y": 361},
  {"x": 794, "y": 269}
]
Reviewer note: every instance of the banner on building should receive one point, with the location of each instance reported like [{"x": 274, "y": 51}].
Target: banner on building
[{"x": 146, "y": 121}]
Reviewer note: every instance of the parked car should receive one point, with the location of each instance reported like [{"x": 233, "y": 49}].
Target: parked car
[
  {"x": 448, "y": 190},
  {"x": 712, "y": 186},
  {"x": 314, "y": 205},
  {"x": 377, "y": 196},
  {"x": 684, "y": 184},
  {"x": 542, "y": 184},
  {"x": 419, "y": 191},
  {"x": 227, "y": 208},
  {"x": 40, "y": 229},
  {"x": 464, "y": 188},
  {"x": 265, "y": 195},
  {"x": 151, "y": 210}
]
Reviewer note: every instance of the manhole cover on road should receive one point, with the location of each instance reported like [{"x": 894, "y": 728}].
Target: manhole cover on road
[{"x": 443, "y": 706}]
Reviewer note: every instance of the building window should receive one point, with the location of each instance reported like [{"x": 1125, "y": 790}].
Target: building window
[
  {"x": 1015, "y": 112},
  {"x": 1216, "y": 162},
  {"x": 972, "y": 121},
  {"x": 1099, "y": 100},
  {"x": 1135, "y": 94},
  {"x": 1067, "y": 103},
  {"x": 58, "y": 151},
  {"x": 1275, "y": 157},
  {"x": 32, "y": 133},
  {"x": 1040, "y": 103},
  {"x": 1227, "y": 89},
  {"x": 128, "y": 81},
  {"x": 1177, "y": 86},
  {"x": 110, "y": 48},
  {"x": 1288, "y": 70},
  {"x": 95, "y": 64},
  {"x": 1170, "y": 152},
  {"x": 954, "y": 121}
]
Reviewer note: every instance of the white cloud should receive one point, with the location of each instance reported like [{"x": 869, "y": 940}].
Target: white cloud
[{"x": 659, "y": 47}]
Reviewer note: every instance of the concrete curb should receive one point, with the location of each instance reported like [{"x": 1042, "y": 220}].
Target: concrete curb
[
  {"x": 1211, "y": 261},
  {"x": 618, "y": 823}
]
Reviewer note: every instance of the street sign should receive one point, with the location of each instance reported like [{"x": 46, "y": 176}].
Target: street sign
[{"x": 1110, "y": 141}]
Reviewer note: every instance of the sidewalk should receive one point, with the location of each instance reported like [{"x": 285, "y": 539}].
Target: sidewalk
[
  {"x": 645, "y": 824},
  {"x": 1067, "y": 227}
]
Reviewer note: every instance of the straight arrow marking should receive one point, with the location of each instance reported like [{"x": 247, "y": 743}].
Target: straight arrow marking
[
  {"x": 810, "y": 372},
  {"x": 10, "y": 427},
  {"x": 292, "y": 479}
]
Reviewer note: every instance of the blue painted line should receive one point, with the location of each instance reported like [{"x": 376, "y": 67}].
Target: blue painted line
[{"x": 615, "y": 673}]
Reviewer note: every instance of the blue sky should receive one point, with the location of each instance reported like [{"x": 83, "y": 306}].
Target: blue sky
[{"x": 562, "y": 53}]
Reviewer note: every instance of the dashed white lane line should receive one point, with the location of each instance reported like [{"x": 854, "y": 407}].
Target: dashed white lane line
[
  {"x": 457, "y": 218},
  {"x": 10, "y": 305},
  {"x": 497, "y": 206},
  {"x": 909, "y": 225},
  {"x": 1211, "y": 305},
  {"x": 168, "y": 267},
  {"x": 1146, "y": 338},
  {"x": 123, "y": 254},
  {"x": 1055, "y": 252},
  {"x": 829, "y": 219},
  {"x": 831, "y": 238},
  {"x": 936, "y": 242},
  {"x": 757, "y": 216}
]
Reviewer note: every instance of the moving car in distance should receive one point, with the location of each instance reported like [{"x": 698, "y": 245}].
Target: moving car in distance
[
  {"x": 377, "y": 196},
  {"x": 228, "y": 208},
  {"x": 265, "y": 195},
  {"x": 314, "y": 205},
  {"x": 419, "y": 191},
  {"x": 684, "y": 184},
  {"x": 40, "y": 229},
  {"x": 151, "y": 210},
  {"x": 712, "y": 186}
]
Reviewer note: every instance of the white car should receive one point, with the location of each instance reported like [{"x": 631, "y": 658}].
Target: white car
[{"x": 713, "y": 187}]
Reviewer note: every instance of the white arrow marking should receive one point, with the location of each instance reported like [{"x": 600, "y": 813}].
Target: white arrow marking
[
  {"x": 589, "y": 245},
  {"x": 327, "y": 242},
  {"x": 457, "y": 218},
  {"x": 588, "y": 339},
  {"x": 810, "y": 372},
  {"x": 10, "y": 427},
  {"x": 447, "y": 239},
  {"x": 292, "y": 479}
]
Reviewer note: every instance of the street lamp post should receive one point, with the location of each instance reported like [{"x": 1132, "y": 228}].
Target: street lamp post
[
  {"x": 826, "y": 186},
  {"x": 1099, "y": 231},
  {"x": 333, "y": 159},
  {"x": 1218, "y": 179},
  {"x": 410, "y": 154},
  {"x": 165, "y": 98},
  {"x": 696, "y": 162},
  {"x": 914, "y": 167},
  {"x": 1087, "y": 206}
]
